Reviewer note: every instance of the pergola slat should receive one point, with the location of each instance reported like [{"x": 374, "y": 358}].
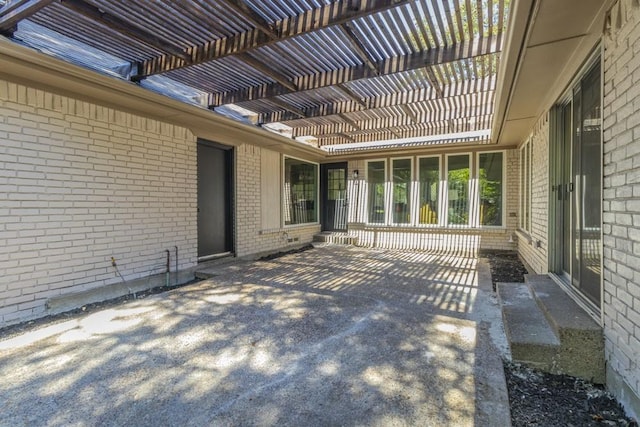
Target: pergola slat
[
  {"x": 434, "y": 114},
  {"x": 17, "y": 10},
  {"x": 118, "y": 24},
  {"x": 389, "y": 66},
  {"x": 336, "y": 13},
  {"x": 385, "y": 100}
]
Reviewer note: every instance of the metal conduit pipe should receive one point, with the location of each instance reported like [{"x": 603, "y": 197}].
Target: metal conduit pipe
[
  {"x": 167, "y": 274},
  {"x": 176, "y": 265}
]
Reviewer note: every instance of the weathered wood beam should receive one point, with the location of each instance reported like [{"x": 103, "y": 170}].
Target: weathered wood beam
[
  {"x": 350, "y": 122},
  {"x": 433, "y": 82},
  {"x": 17, "y": 10},
  {"x": 436, "y": 128},
  {"x": 85, "y": 9},
  {"x": 358, "y": 47},
  {"x": 464, "y": 87},
  {"x": 409, "y": 112},
  {"x": 336, "y": 13},
  {"x": 250, "y": 15},
  {"x": 468, "y": 49},
  {"x": 282, "y": 80},
  {"x": 286, "y": 106},
  {"x": 434, "y": 115},
  {"x": 351, "y": 94}
]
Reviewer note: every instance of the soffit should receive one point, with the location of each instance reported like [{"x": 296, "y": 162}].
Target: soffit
[{"x": 559, "y": 38}]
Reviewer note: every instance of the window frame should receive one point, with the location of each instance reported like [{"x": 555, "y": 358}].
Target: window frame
[
  {"x": 284, "y": 196},
  {"x": 470, "y": 200},
  {"x": 525, "y": 199},
  {"x": 503, "y": 218},
  {"x": 410, "y": 188},
  {"x": 439, "y": 222},
  {"x": 386, "y": 191}
]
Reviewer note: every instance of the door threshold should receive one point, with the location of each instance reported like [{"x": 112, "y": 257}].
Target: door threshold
[
  {"x": 214, "y": 256},
  {"x": 589, "y": 307}
]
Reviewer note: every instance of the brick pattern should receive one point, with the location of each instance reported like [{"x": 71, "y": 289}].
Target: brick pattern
[
  {"x": 534, "y": 248},
  {"x": 80, "y": 183},
  {"x": 621, "y": 216},
  {"x": 251, "y": 239},
  {"x": 432, "y": 238}
]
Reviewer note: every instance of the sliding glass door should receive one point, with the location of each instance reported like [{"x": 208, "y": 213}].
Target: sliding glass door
[{"x": 577, "y": 187}]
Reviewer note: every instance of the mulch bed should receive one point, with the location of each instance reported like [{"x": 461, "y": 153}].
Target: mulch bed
[{"x": 540, "y": 399}]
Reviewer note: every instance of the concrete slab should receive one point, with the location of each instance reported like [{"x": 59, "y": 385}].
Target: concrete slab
[
  {"x": 530, "y": 336},
  {"x": 331, "y": 336},
  {"x": 581, "y": 338}
]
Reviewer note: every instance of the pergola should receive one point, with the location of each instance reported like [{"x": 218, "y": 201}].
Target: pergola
[{"x": 342, "y": 75}]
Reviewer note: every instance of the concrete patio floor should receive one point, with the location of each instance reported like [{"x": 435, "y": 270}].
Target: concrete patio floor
[{"x": 331, "y": 336}]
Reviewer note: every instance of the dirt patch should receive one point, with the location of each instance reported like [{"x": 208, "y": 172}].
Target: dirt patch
[
  {"x": 505, "y": 267},
  {"x": 281, "y": 254},
  {"x": 540, "y": 399}
]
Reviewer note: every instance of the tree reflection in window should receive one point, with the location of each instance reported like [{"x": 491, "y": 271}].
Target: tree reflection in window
[
  {"x": 401, "y": 191},
  {"x": 458, "y": 179},
  {"x": 301, "y": 191},
  {"x": 429, "y": 170},
  {"x": 375, "y": 180},
  {"x": 490, "y": 176}
]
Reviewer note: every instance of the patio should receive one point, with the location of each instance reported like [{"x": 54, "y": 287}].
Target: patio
[{"x": 333, "y": 335}]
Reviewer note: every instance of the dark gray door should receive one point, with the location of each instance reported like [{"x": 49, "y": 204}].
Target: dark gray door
[
  {"x": 214, "y": 199},
  {"x": 334, "y": 197}
]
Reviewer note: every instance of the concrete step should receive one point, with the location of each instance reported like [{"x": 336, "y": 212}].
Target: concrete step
[
  {"x": 531, "y": 338},
  {"x": 339, "y": 238},
  {"x": 582, "y": 341}
]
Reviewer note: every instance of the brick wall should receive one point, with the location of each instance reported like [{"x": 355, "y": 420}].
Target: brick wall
[
  {"x": 80, "y": 183},
  {"x": 621, "y": 216},
  {"x": 533, "y": 248},
  {"x": 251, "y": 237}
]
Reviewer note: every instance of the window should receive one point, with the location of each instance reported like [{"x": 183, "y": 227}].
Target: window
[
  {"x": 300, "y": 191},
  {"x": 401, "y": 169},
  {"x": 376, "y": 181},
  {"x": 429, "y": 178},
  {"x": 458, "y": 184},
  {"x": 490, "y": 181},
  {"x": 453, "y": 190},
  {"x": 525, "y": 186}
]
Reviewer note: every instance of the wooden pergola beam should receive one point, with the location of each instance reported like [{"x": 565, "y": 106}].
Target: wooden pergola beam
[
  {"x": 464, "y": 87},
  {"x": 336, "y": 13},
  {"x": 241, "y": 8},
  {"x": 351, "y": 94},
  {"x": 258, "y": 65},
  {"x": 358, "y": 47},
  {"x": 465, "y": 50},
  {"x": 286, "y": 106},
  {"x": 17, "y": 10},
  {"x": 85, "y": 9},
  {"x": 436, "y": 115},
  {"x": 436, "y": 128}
]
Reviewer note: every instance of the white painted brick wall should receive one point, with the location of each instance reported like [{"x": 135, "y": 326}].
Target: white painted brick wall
[
  {"x": 621, "y": 216},
  {"x": 250, "y": 238},
  {"x": 80, "y": 183},
  {"x": 534, "y": 251}
]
